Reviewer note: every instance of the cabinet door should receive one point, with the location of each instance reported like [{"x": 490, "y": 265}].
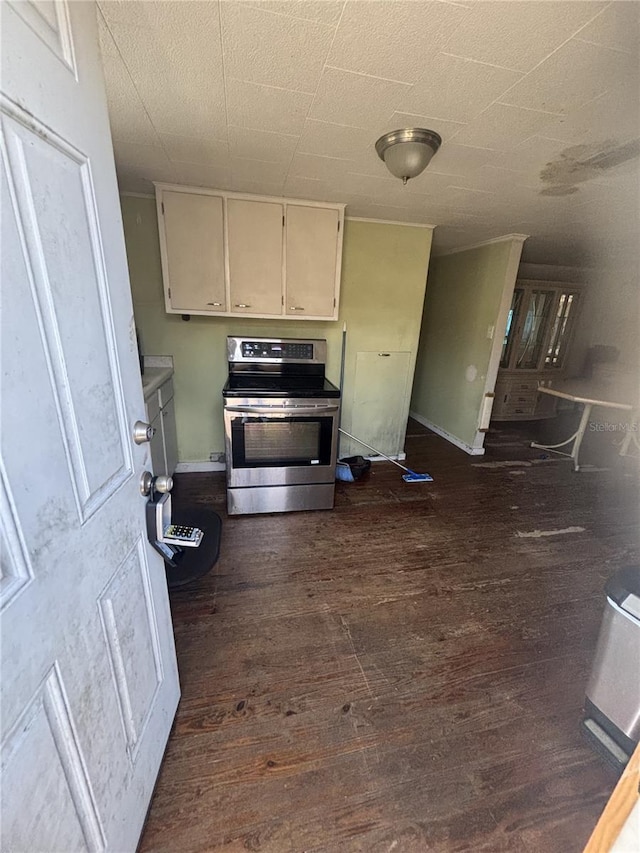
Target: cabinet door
[
  {"x": 311, "y": 255},
  {"x": 156, "y": 447},
  {"x": 254, "y": 231},
  {"x": 531, "y": 332},
  {"x": 564, "y": 316},
  {"x": 169, "y": 436},
  {"x": 193, "y": 254},
  {"x": 381, "y": 400}
]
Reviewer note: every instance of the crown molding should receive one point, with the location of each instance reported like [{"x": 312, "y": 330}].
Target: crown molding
[
  {"x": 515, "y": 238},
  {"x": 390, "y": 222}
]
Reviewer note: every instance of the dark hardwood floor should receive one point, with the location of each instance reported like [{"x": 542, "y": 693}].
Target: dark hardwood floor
[{"x": 404, "y": 673}]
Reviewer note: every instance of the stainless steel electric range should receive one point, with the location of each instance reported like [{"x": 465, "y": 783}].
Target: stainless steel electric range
[{"x": 281, "y": 426}]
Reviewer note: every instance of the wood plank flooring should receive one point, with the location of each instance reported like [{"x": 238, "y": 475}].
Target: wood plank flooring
[{"x": 404, "y": 673}]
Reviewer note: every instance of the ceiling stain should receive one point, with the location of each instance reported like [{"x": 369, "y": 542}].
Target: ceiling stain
[{"x": 581, "y": 163}]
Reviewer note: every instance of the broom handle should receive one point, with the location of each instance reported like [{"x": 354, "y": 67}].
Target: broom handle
[{"x": 375, "y": 450}]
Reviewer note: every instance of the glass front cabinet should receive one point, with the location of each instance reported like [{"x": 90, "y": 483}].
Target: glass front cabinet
[{"x": 535, "y": 347}]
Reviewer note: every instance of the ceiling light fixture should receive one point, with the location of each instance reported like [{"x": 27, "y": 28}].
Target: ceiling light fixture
[{"x": 408, "y": 152}]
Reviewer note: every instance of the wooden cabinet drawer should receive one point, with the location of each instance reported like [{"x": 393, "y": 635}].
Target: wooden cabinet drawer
[
  {"x": 524, "y": 384},
  {"x": 512, "y": 408},
  {"x": 522, "y": 397}
]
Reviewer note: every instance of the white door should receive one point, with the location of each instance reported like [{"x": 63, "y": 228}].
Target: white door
[
  {"x": 89, "y": 682},
  {"x": 380, "y": 405}
]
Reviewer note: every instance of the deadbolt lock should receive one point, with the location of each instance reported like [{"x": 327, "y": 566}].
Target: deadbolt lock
[{"x": 143, "y": 432}]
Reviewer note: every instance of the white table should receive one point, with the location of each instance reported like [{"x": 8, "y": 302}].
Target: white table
[{"x": 590, "y": 394}]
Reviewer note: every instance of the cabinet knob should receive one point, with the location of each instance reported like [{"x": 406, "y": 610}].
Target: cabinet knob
[
  {"x": 295, "y": 308},
  {"x": 241, "y": 305},
  {"x": 217, "y": 304}
]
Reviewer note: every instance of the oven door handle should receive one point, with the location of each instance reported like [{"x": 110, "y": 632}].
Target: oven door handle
[{"x": 287, "y": 410}]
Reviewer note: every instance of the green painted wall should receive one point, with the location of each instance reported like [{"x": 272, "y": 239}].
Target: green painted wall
[
  {"x": 383, "y": 283},
  {"x": 463, "y": 297}
]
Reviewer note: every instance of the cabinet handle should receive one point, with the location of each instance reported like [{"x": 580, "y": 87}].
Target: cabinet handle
[
  {"x": 384, "y": 354},
  {"x": 214, "y": 303},
  {"x": 241, "y": 305},
  {"x": 295, "y": 308}
]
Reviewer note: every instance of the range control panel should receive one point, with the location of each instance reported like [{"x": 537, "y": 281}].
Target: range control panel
[
  {"x": 282, "y": 349},
  {"x": 311, "y": 352}
]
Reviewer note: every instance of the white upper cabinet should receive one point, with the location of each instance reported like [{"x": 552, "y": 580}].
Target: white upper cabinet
[
  {"x": 227, "y": 254},
  {"x": 312, "y": 241},
  {"x": 255, "y": 256},
  {"x": 192, "y": 246}
]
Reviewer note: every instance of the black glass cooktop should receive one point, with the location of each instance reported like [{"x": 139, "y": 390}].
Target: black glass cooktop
[{"x": 265, "y": 385}]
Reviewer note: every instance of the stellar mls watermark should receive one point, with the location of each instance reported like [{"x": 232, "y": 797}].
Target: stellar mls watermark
[{"x": 610, "y": 426}]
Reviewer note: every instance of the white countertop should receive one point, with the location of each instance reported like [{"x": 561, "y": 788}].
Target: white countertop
[{"x": 157, "y": 369}]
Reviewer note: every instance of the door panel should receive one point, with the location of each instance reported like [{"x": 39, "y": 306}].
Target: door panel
[
  {"x": 381, "y": 400},
  {"x": 255, "y": 256},
  {"x": 89, "y": 681}
]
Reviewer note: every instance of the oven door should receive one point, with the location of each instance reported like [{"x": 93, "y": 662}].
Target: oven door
[{"x": 278, "y": 442}]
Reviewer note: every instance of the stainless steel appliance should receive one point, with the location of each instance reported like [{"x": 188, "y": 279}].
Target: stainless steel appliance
[
  {"x": 612, "y": 705},
  {"x": 281, "y": 426}
]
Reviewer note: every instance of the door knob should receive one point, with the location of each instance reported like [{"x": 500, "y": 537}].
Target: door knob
[
  {"x": 148, "y": 483},
  {"x": 142, "y": 432}
]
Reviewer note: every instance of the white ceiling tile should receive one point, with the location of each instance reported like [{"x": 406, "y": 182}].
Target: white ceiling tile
[
  {"x": 176, "y": 69},
  {"x": 530, "y": 156},
  {"x": 324, "y": 11},
  {"x": 276, "y": 50},
  {"x": 184, "y": 149},
  {"x": 262, "y": 145},
  {"x": 502, "y": 127},
  {"x": 258, "y": 171},
  {"x": 355, "y": 99},
  {"x": 130, "y": 155},
  {"x": 456, "y": 159},
  {"x": 297, "y": 186},
  {"x": 265, "y": 108},
  {"x": 320, "y": 168},
  {"x": 390, "y": 38},
  {"x": 485, "y": 180},
  {"x": 333, "y": 140},
  {"x": 107, "y": 44},
  {"x": 383, "y": 189},
  {"x": 431, "y": 182},
  {"x": 151, "y": 172},
  {"x": 577, "y": 73},
  {"x": 124, "y": 12},
  {"x": 456, "y": 89},
  {"x": 615, "y": 114},
  {"x": 618, "y": 26},
  {"x": 198, "y": 175},
  {"x": 246, "y": 185},
  {"x": 128, "y": 118},
  {"x": 398, "y": 120},
  {"x": 518, "y": 35}
]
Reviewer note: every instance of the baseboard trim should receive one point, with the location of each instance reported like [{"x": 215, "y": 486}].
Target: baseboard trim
[
  {"x": 199, "y": 467},
  {"x": 472, "y": 451}
]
